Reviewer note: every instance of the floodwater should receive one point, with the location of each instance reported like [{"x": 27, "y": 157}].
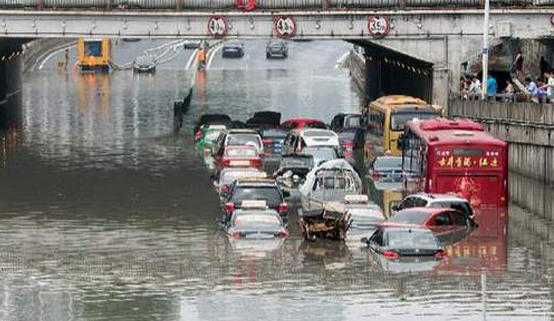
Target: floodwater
[{"x": 107, "y": 214}]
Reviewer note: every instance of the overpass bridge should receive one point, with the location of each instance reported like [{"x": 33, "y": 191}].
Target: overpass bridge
[{"x": 429, "y": 39}]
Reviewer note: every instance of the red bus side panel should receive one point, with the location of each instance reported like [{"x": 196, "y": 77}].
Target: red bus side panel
[{"x": 482, "y": 191}]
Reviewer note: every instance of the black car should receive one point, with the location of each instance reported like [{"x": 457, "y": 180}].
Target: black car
[
  {"x": 264, "y": 118},
  {"x": 277, "y": 48},
  {"x": 255, "y": 189},
  {"x": 214, "y": 119},
  {"x": 233, "y": 49},
  {"x": 351, "y": 130},
  {"x": 191, "y": 44},
  {"x": 395, "y": 242},
  {"x": 144, "y": 63}
]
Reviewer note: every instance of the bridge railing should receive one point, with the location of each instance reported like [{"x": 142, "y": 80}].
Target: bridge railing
[{"x": 260, "y": 4}]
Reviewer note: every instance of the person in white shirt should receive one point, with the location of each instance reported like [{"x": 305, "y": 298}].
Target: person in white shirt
[
  {"x": 475, "y": 88},
  {"x": 550, "y": 82}
]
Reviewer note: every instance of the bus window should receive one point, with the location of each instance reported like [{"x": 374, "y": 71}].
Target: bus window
[
  {"x": 398, "y": 120},
  {"x": 93, "y": 48}
]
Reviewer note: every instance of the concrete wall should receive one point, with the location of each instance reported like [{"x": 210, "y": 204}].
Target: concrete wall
[{"x": 529, "y": 128}]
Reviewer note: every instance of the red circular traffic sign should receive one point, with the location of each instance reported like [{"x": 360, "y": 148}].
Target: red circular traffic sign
[
  {"x": 217, "y": 26},
  {"x": 284, "y": 26},
  {"x": 378, "y": 26},
  {"x": 552, "y": 20}
]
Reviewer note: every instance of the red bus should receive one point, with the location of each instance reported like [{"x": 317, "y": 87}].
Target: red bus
[{"x": 456, "y": 156}]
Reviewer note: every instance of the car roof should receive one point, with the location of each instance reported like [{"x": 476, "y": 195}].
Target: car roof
[
  {"x": 256, "y": 181},
  {"x": 242, "y": 131},
  {"x": 440, "y": 197},
  {"x": 303, "y": 120},
  {"x": 428, "y": 210},
  {"x": 240, "y": 147},
  {"x": 406, "y": 227}
]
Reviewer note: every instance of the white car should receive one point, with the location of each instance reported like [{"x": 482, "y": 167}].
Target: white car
[{"x": 453, "y": 201}]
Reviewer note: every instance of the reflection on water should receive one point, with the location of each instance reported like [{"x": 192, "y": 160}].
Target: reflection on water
[{"x": 105, "y": 215}]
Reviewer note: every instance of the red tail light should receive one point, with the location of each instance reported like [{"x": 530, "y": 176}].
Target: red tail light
[
  {"x": 198, "y": 135},
  {"x": 230, "y": 207},
  {"x": 348, "y": 144},
  {"x": 377, "y": 175},
  {"x": 267, "y": 141},
  {"x": 225, "y": 163},
  {"x": 236, "y": 235},
  {"x": 256, "y": 162},
  {"x": 283, "y": 207},
  {"x": 440, "y": 254},
  {"x": 282, "y": 234},
  {"x": 391, "y": 255}
]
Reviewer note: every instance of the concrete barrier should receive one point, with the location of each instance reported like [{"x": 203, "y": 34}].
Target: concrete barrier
[{"x": 528, "y": 127}]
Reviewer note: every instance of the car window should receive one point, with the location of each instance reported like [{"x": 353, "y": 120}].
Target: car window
[
  {"x": 388, "y": 162},
  {"x": 420, "y": 202},
  {"x": 458, "y": 219},
  {"x": 242, "y": 139},
  {"x": 409, "y": 202},
  {"x": 409, "y": 239},
  {"x": 442, "y": 219},
  {"x": 353, "y": 121},
  {"x": 241, "y": 152},
  {"x": 318, "y": 133},
  {"x": 377, "y": 238},
  {"x": 256, "y": 221},
  {"x": 269, "y": 194}
]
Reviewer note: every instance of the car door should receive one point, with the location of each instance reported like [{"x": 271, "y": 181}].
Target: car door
[{"x": 460, "y": 225}]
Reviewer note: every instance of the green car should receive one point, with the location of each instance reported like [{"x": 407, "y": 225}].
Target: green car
[{"x": 209, "y": 138}]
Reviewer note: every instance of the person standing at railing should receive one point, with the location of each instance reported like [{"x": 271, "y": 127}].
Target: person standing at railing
[
  {"x": 509, "y": 91},
  {"x": 475, "y": 88},
  {"x": 491, "y": 87},
  {"x": 532, "y": 88},
  {"x": 549, "y": 76}
]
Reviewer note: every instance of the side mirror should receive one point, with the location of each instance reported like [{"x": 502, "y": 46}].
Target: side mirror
[
  {"x": 395, "y": 208},
  {"x": 286, "y": 193},
  {"x": 364, "y": 240}
]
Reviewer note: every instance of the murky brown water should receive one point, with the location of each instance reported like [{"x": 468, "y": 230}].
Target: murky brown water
[{"x": 105, "y": 214}]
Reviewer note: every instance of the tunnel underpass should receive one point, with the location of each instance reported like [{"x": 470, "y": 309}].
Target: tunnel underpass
[{"x": 390, "y": 72}]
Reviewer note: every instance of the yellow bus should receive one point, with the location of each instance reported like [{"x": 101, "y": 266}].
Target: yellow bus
[
  {"x": 94, "y": 54},
  {"x": 387, "y": 117}
]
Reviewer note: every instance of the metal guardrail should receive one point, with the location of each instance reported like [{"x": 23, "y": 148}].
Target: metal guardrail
[{"x": 260, "y": 4}]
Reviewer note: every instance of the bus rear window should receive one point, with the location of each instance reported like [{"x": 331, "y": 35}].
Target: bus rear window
[
  {"x": 399, "y": 120},
  {"x": 467, "y": 152}
]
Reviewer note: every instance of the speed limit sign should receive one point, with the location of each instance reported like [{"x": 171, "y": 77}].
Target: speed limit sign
[
  {"x": 284, "y": 26},
  {"x": 217, "y": 26},
  {"x": 378, "y": 26}
]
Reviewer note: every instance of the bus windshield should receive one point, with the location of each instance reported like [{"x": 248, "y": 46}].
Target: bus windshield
[{"x": 399, "y": 120}]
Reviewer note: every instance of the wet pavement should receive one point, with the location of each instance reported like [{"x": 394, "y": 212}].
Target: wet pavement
[{"x": 106, "y": 214}]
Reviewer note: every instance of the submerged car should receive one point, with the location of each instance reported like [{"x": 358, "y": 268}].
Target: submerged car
[
  {"x": 238, "y": 156},
  {"x": 255, "y": 220},
  {"x": 395, "y": 242},
  {"x": 212, "y": 119},
  {"x": 292, "y": 171},
  {"x": 332, "y": 221},
  {"x": 210, "y": 134},
  {"x": 233, "y": 49},
  {"x": 448, "y": 224},
  {"x": 240, "y": 137},
  {"x": 386, "y": 167},
  {"x": 144, "y": 64},
  {"x": 255, "y": 189},
  {"x": 228, "y": 176},
  {"x": 452, "y": 201},
  {"x": 276, "y": 48},
  {"x": 321, "y": 154},
  {"x": 299, "y": 123},
  {"x": 364, "y": 213}
]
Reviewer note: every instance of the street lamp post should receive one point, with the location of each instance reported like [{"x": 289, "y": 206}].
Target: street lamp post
[{"x": 485, "y": 51}]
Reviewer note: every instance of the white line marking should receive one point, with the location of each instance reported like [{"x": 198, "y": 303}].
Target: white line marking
[
  {"x": 218, "y": 48},
  {"x": 191, "y": 59},
  {"x": 52, "y": 54},
  {"x": 341, "y": 60}
]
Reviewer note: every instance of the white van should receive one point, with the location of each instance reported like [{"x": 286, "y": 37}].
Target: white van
[{"x": 297, "y": 140}]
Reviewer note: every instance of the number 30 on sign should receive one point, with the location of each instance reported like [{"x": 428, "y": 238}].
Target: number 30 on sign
[{"x": 378, "y": 26}]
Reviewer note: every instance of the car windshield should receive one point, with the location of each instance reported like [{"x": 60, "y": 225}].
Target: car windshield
[
  {"x": 242, "y": 152},
  {"x": 259, "y": 221},
  {"x": 365, "y": 215},
  {"x": 144, "y": 60},
  {"x": 243, "y": 139},
  {"x": 411, "y": 239},
  {"x": 353, "y": 121},
  {"x": 388, "y": 162},
  {"x": 321, "y": 153},
  {"x": 277, "y": 45},
  {"x": 228, "y": 177},
  {"x": 297, "y": 162},
  {"x": 461, "y": 206},
  {"x": 233, "y": 44},
  {"x": 318, "y": 133},
  {"x": 212, "y": 135},
  {"x": 274, "y": 133},
  {"x": 411, "y": 217},
  {"x": 399, "y": 120},
  {"x": 269, "y": 194}
]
